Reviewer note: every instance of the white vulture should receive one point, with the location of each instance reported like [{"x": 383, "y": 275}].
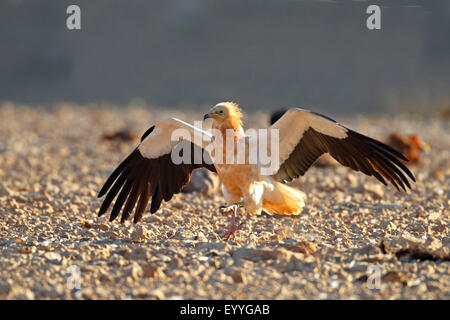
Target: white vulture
[{"x": 302, "y": 137}]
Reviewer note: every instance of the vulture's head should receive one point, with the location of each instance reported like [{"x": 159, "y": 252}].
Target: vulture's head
[{"x": 225, "y": 112}]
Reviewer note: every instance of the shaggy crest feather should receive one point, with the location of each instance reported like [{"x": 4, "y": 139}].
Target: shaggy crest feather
[{"x": 235, "y": 114}]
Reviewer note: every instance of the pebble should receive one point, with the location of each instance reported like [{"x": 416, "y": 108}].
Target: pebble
[
  {"x": 239, "y": 277},
  {"x": 141, "y": 233},
  {"x": 53, "y": 257}
]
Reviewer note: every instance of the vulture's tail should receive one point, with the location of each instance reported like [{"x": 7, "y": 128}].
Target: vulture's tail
[{"x": 292, "y": 201}]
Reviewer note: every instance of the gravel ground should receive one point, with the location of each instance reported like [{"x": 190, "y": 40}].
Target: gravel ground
[{"x": 53, "y": 162}]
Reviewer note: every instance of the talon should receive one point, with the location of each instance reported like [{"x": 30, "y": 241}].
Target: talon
[{"x": 233, "y": 226}]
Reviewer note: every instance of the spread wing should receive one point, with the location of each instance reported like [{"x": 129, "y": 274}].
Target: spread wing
[
  {"x": 305, "y": 136},
  {"x": 149, "y": 172}
]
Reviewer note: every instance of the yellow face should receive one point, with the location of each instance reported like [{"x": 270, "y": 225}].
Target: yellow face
[{"x": 218, "y": 113}]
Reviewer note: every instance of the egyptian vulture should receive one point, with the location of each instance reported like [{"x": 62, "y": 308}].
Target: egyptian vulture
[{"x": 150, "y": 171}]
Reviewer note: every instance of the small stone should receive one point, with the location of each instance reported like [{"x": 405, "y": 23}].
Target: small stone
[
  {"x": 153, "y": 272},
  {"x": 4, "y": 191},
  {"x": 178, "y": 205},
  {"x": 135, "y": 271},
  {"x": 203, "y": 181},
  {"x": 352, "y": 179},
  {"x": 5, "y": 288},
  {"x": 136, "y": 254},
  {"x": 438, "y": 174},
  {"x": 200, "y": 237},
  {"x": 355, "y": 228},
  {"x": 376, "y": 189},
  {"x": 434, "y": 215},
  {"x": 140, "y": 234},
  {"x": 303, "y": 247},
  {"x": 260, "y": 254},
  {"x": 176, "y": 263},
  {"x": 25, "y": 250},
  {"x": 156, "y": 293},
  {"x": 394, "y": 276},
  {"x": 239, "y": 277},
  {"x": 435, "y": 244},
  {"x": 86, "y": 224},
  {"x": 21, "y": 294},
  {"x": 101, "y": 226},
  {"x": 105, "y": 278},
  {"x": 53, "y": 257},
  {"x": 87, "y": 293}
]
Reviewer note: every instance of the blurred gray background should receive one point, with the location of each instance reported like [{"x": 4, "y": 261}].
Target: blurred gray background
[{"x": 263, "y": 54}]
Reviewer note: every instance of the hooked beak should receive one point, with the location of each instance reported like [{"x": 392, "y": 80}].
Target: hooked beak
[{"x": 206, "y": 116}]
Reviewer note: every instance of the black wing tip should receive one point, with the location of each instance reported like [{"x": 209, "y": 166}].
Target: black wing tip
[
  {"x": 146, "y": 133},
  {"x": 396, "y": 158},
  {"x": 402, "y": 156}
]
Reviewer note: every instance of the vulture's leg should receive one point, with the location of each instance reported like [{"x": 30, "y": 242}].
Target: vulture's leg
[{"x": 233, "y": 226}]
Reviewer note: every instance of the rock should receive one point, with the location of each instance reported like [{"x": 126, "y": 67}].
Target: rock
[
  {"x": 394, "y": 276},
  {"x": 355, "y": 228},
  {"x": 260, "y": 254},
  {"x": 410, "y": 146},
  {"x": 86, "y": 224},
  {"x": 434, "y": 215},
  {"x": 53, "y": 257},
  {"x": 4, "y": 191},
  {"x": 26, "y": 250},
  {"x": 295, "y": 263},
  {"x": 375, "y": 189},
  {"x": 134, "y": 271},
  {"x": 140, "y": 292},
  {"x": 352, "y": 179},
  {"x": 388, "y": 206},
  {"x": 176, "y": 263},
  {"x": 140, "y": 234},
  {"x": 101, "y": 226},
  {"x": 410, "y": 238},
  {"x": 200, "y": 237},
  {"x": 105, "y": 278},
  {"x": 153, "y": 272},
  {"x": 436, "y": 173},
  {"x": 303, "y": 247},
  {"x": 122, "y": 135},
  {"x": 5, "y": 288},
  {"x": 219, "y": 246},
  {"x": 203, "y": 181},
  {"x": 87, "y": 293},
  {"x": 21, "y": 294},
  {"x": 156, "y": 293},
  {"x": 239, "y": 277},
  {"x": 388, "y": 225},
  {"x": 135, "y": 254},
  {"x": 114, "y": 235},
  {"x": 435, "y": 244}
]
